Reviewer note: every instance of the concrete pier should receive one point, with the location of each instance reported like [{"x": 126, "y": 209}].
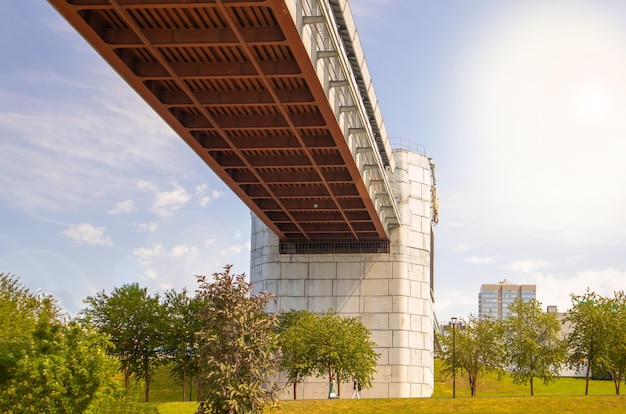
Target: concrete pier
[{"x": 391, "y": 292}]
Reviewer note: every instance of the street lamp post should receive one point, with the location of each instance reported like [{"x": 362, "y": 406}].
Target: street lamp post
[{"x": 453, "y": 319}]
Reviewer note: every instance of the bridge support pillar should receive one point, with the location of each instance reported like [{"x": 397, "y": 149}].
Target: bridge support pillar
[{"x": 391, "y": 292}]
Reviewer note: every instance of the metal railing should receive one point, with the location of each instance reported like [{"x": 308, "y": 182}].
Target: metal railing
[
  {"x": 334, "y": 246},
  {"x": 402, "y": 143}
]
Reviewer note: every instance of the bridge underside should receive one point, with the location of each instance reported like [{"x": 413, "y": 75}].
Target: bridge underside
[
  {"x": 234, "y": 80},
  {"x": 275, "y": 96}
]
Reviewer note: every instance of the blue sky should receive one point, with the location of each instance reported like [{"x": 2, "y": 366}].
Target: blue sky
[{"x": 520, "y": 104}]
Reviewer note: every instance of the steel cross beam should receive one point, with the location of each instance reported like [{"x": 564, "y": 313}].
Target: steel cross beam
[{"x": 234, "y": 80}]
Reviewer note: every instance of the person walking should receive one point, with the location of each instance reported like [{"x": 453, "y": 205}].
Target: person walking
[
  {"x": 332, "y": 388},
  {"x": 356, "y": 389}
]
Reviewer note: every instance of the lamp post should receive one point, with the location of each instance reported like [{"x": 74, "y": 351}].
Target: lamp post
[{"x": 453, "y": 319}]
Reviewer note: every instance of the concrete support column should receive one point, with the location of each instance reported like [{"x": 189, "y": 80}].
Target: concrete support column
[{"x": 390, "y": 292}]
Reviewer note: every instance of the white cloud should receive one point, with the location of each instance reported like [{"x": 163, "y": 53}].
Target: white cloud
[
  {"x": 456, "y": 303},
  {"x": 575, "y": 258},
  {"x": 176, "y": 265},
  {"x": 151, "y": 274},
  {"x": 146, "y": 185},
  {"x": 203, "y": 199},
  {"x": 149, "y": 254},
  {"x": 556, "y": 290},
  {"x": 527, "y": 266},
  {"x": 205, "y": 196},
  {"x": 184, "y": 251},
  {"x": 480, "y": 259},
  {"x": 461, "y": 248},
  {"x": 125, "y": 206},
  {"x": 89, "y": 234},
  {"x": 167, "y": 202},
  {"x": 235, "y": 249},
  {"x": 149, "y": 259},
  {"x": 150, "y": 226},
  {"x": 89, "y": 148}
]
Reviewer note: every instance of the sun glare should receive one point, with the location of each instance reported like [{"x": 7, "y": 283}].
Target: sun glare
[
  {"x": 543, "y": 96},
  {"x": 591, "y": 102},
  {"x": 549, "y": 67}
]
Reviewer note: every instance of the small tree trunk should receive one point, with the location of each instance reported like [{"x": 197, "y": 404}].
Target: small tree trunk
[
  {"x": 198, "y": 386},
  {"x": 587, "y": 378},
  {"x": 184, "y": 381},
  {"x": 294, "y": 389},
  {"x": 126, "y": 376},
  {"x": 338, "y": 386},
  {"x": 472, "y": 381},
  {"x": 147, "y": 378},
  {"x": 532, "y": 391},
  {"x": 617, "y": 380}
]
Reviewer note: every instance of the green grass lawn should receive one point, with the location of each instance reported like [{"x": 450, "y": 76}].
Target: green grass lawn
[
  {"x": 542, "y": 404},
  {"x": 163, "y": 388},
  {"x": 489, "y": 386},
  {"x": 563, "y": 396}
]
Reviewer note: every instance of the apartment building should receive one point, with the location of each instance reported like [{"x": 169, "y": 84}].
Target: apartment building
[{"x": 494, "y": 299}]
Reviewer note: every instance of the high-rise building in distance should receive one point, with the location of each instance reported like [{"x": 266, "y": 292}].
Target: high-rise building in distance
[{"x": 494, "y": 299}]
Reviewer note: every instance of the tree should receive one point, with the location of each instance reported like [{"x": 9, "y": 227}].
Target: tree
[
  {"x": 63, "y": 373},
  {"x": 134, "y": 321},
  {"x": 326, "y": 344},
  {"x": 343, "y": 348},
  {"x": 478, "y": 349},
  {"x": 598, "y": 336},
  {"x": 239, "y": 351},
  {"x": 295, "y": 331},
  {"x": 613, "y": 359},
  {"x": 55, "y": 366},
  {"x": 587, "y": 340},
  {"x": 18, "y": 317},
  {"x": 181, "y": 342},
  {"x": 534, "y": 349}
]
